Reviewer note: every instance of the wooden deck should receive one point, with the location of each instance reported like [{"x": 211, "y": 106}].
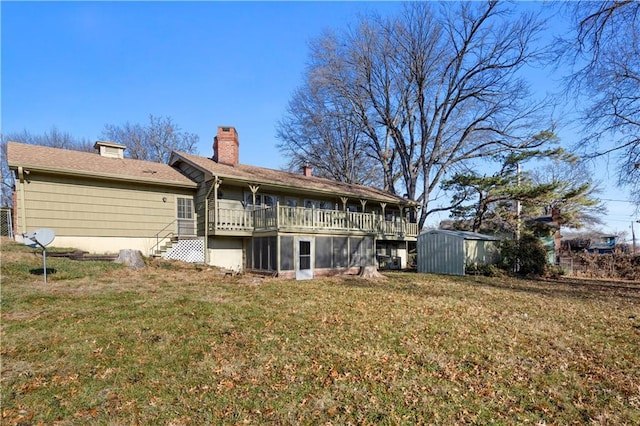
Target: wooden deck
[{"x": 308, "y": 220}]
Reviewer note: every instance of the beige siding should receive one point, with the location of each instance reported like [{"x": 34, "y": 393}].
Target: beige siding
[
  {"x": 226, "y": 253},
  {"x": 89, "y": 208}
]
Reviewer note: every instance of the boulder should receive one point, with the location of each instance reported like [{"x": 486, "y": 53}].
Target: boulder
[{"x": 132, "y": 258}]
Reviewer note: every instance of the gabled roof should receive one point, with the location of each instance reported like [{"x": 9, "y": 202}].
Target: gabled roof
[
  {"x": 69, "y": 163},
  {"x": 285, "y": 180}
]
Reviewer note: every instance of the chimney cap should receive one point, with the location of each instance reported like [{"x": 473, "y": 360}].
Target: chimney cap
[
  {"x": 110, "y": 144},
  {"x": 110, "y": 149},
  {"x": 226, "y": 129}
]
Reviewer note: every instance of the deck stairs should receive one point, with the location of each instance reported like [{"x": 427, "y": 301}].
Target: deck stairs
[
  {"x": 185, "y": 248},
  {"x": 161, "y": 250}
]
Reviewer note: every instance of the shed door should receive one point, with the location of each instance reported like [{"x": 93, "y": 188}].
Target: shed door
[{"x": 304, "y": 259}]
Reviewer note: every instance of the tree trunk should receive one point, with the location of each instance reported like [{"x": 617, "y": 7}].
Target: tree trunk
[
  {"x": 132, "y": 258},
  {"x": 370, "y": 272}
]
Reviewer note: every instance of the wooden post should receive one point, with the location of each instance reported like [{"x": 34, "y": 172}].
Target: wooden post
[
  {"x": 216, "y": 185},
  {"x": 254, "y": 189},
  {"x": 345, "y": 224}
]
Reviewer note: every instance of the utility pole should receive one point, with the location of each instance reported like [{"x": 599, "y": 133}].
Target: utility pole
[
  {"x": 518, "y": 206},
  {"x": 633, "y": 236},
  {"x": 518, "y": 212}
]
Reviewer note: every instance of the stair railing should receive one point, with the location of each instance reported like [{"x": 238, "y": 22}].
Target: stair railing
[{"x": 160, "y": 237}]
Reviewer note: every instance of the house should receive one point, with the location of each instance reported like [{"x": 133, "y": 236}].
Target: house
[
  {"x": 603, "y": 244},
  {"x": 452, "y": 252},
  {"x": 98, "y": 202},
  {"x": 591, "y": 243},
  {"x": 214, "y": 210}
]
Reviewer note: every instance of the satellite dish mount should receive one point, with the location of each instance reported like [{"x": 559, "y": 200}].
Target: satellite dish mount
[{"x": 40, "y": 238}]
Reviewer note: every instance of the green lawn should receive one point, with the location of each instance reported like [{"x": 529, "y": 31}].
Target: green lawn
[{"x": 180, "y": 344}]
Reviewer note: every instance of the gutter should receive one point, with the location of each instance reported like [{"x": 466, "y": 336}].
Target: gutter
[
  {"x": 23, "y": 209},
  {"x": 104, "y": 176}
]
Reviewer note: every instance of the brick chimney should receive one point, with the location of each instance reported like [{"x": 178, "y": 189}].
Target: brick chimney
[
  {"x": 307, "y": 170},
  {"x": 226, "y": 146}
]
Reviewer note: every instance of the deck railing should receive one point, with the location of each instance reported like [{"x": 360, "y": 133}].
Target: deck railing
[
  {"x": 231, "y": 220},
  {"x": 307, "y": 219}
]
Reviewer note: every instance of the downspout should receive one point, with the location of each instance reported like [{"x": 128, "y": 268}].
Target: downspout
[
  {"x": 23, "y": 213},
  {"x": 206, "y": 220}
]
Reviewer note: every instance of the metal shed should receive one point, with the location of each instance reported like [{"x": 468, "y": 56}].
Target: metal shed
[{"x": 448, "y": 252}]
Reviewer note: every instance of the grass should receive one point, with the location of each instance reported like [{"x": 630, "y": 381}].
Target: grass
[{"x": 180, "y": 344}]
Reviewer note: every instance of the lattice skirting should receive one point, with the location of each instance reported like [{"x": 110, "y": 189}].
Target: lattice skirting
[{"x": 191, "y": 251}]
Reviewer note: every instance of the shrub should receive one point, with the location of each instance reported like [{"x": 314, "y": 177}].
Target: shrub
[
  {"x": 527, "y": 258},
  {"x": 486, "y": 269}
]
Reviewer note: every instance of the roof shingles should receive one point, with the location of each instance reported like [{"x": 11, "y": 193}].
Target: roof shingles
[
  {"x": 92, "y": 164},
  {"x": 260, "y": 175}
]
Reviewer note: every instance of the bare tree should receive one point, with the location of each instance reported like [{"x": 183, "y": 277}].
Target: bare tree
[
  {"x": 604, "y": 51},
  {"x": 54, "y": 138},
  {"x": 318, "y": 131},
  {"x": 6, "y": 188},
  {"x": 154, "y": 141},
  {"x": 432, "y": 91}
]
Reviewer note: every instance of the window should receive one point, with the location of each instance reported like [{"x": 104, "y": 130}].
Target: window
[
  {"x": 318, "y": 204},
  {"x": 262, "y": 200},
  {"x": 185, "y": 208}
]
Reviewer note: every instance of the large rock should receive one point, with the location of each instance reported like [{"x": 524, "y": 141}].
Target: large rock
[{"x": 132, "y": 258}]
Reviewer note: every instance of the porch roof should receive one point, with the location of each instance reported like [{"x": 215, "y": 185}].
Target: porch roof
[{"x": 286, "y": 180}]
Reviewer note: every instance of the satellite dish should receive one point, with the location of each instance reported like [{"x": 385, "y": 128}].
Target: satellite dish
[
  {"x": 45, "y": 236},
  {"x": 40, "y": 237}
]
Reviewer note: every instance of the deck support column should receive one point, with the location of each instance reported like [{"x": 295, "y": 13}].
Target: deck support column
[
  {"x": 254, "y": 190},
  {"x": 346, "y": 216},
  {"x": 363, "y": 217},
  {"x": 216, "y": 183}
]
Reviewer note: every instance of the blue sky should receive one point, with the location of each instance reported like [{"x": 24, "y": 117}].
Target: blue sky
[{"x": 79, "y": 66}]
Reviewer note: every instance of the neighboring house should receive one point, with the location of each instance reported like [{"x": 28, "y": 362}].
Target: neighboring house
[
  {"x": 603, "y": 244},
  {"x": 221, "y": 212},
  {"x": 592, "y": 243},
  {"x": 548, "y": 231},
  {"x": 451, "y": 252}
]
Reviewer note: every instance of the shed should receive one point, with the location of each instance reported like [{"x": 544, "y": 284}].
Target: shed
[{"x": 449, "y": 252}]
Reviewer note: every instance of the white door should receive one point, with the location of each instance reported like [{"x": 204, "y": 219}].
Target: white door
[
  {"x": 185, "y": 217},
  {"x": 304, "y": 259}
]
